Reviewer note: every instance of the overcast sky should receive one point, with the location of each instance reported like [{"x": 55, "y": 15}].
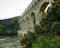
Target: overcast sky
[{"x": 11, "y": 8}]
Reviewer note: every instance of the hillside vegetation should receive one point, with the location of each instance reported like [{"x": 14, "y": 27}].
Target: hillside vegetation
[{"x": 9, "y": 27}]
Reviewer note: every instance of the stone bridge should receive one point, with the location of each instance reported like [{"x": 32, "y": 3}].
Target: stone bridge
[{"x": 32, "y": 15}]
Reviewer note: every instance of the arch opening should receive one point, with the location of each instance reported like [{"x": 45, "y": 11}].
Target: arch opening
[
  {"x": 27, "y": 18},
  {"x": 32, "y": 14},
  {"x": 31, "y": 22},
  {"x": 33, "y": 18},
  {"x": 44, "y": 7}
]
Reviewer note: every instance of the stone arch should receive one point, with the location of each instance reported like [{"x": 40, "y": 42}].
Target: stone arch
[
  {"x": 43, "y": 6},
  {"x": 21, "y": 34},
  {"x": 27, "y": 18},
  {"x": 31, "y": 22},
  {"x": 32, "y": 16},
  {"x": 23, "y": 20}
]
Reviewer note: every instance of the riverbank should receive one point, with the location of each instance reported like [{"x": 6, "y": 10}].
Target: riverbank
[{"x": 9, "y": 42}]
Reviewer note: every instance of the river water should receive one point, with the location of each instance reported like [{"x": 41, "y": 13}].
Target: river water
[{"x": 9, "y": 42}]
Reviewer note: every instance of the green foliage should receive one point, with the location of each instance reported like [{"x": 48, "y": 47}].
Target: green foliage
[
  {"x": 9, "y": 27},
  {"x": 1, "y": 29},
  {"x": 56, "y": 28},
  {"x": 43, "y": 42},
  {"x": 50, "y": 26},
  {"x": 28, "y": 40},
  {"x": 53, "y": 17}
]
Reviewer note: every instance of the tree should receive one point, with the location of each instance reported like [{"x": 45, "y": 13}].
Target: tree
[{"x": 1, "y": 29}]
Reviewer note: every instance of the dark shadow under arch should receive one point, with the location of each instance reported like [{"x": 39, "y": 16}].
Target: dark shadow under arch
[
  {"x": 33, "y": 18},
  {"x": 43, "y": 7},
  {"x": 32, "y": 14}
]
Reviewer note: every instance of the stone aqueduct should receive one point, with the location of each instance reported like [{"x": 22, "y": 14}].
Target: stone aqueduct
[{"x": 32, "y": 16}]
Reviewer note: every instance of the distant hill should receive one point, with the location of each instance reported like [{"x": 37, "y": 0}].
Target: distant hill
[{"x": 9, "y": 27}]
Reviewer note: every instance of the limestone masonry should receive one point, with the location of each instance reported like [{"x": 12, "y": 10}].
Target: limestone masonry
[{"x": 32, "y": 16}]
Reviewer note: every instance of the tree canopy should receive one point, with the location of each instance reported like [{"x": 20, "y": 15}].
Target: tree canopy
[{"x": 9, "y": 27}]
